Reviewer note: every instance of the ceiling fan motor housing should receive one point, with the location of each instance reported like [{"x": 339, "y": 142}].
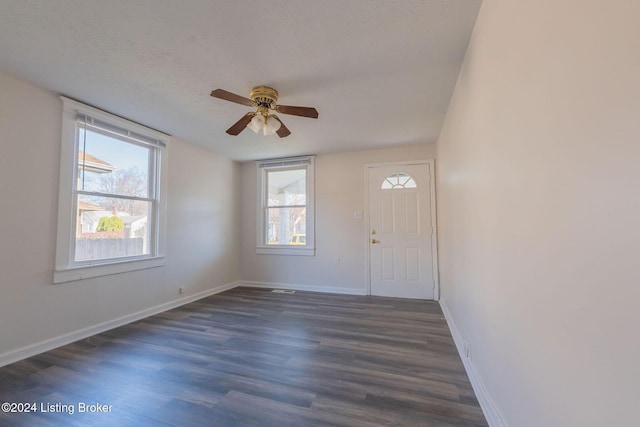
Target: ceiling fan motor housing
[{"x": 264, "y": 96}]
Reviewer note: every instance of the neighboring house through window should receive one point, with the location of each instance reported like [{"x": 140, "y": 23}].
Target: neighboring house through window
[
  {"x": 112, "y": 204},
  {"x": 285, "y": 206}
]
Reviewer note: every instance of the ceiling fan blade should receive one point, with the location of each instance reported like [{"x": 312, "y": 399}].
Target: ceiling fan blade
[
  {"x": 283, "y": 131},
  {"x": 228, "y": 96},
  {"x": 240, "y": 124},
  {"x": 298, "y": 111}
]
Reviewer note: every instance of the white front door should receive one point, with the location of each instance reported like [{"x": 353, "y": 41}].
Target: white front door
[{"x": 401, "y": 231}]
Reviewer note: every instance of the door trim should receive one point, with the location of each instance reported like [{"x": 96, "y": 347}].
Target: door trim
[{"x": 434, "y": 228}]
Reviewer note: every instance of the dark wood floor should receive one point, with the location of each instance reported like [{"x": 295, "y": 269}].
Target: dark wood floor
[{"x": 249, "y": 357}]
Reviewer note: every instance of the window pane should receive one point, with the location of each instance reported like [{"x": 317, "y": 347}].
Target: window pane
[
  {"x": 410, "y": 183},
  {"x": 286, "y": 226},
  {"x": 111, "y": 228},
  {"x": 110, "y": 165},
  {"x": 287, "y": 187}
]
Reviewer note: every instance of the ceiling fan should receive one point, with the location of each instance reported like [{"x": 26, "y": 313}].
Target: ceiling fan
[{"x": 264, "y": 98}]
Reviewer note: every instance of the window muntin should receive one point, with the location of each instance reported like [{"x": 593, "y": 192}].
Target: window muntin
[
  {"x": 398, "y": 180},
  {"x": 111, "y": 202},
  {"x": 285, "y": 214}
]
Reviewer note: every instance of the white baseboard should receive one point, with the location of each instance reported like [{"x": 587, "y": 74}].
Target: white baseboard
[
  {"x": 311, "y": 288},
  {"x": 40, "y": 347},
  {"x": 487, "y": 404}
]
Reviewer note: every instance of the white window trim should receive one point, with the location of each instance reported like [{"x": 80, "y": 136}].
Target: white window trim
[
  {"x": 66, "y": 269},
  {"x": 263, "y": 166}
]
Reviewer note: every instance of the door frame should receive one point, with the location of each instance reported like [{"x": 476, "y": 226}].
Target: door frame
[{"x": 434, "y": 228}]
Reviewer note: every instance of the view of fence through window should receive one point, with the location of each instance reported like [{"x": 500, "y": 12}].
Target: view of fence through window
[
  {"x": 113, "y": 197},
  {"x": 286, "y": 210}
]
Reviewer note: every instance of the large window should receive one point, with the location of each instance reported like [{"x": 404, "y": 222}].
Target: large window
[
  {"x": 111, "y": 210},
  {"x": 285, "y": 207}
]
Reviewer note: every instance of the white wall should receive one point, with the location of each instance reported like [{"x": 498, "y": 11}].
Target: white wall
[
  {"x": 340, "y": 190},
  {"x": 202, "y": 248},
  {"x": 539, "y": 210}
]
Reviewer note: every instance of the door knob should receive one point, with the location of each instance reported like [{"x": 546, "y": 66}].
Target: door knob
[
  {"x": 375, "y": 241},
  {"x": 373, "y": 231}
]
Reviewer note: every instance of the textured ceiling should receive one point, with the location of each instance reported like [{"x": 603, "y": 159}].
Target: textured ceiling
[{"x": 380, "y": 72}]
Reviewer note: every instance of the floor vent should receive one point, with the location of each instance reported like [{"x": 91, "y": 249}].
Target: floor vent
[{"x": 283, "y": 291}]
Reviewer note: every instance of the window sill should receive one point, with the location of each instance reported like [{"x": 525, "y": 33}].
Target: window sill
[
  {"x": 280, "y": 250},
  {"x": 97, "y": 270}
]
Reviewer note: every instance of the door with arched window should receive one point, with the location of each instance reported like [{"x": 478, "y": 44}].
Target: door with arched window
[{"x": 401, "y": 231}]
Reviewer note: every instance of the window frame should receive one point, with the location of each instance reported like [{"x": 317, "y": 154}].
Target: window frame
[
  {"x": 66, "y": 267},
  {"x": 291, "y": 163}
]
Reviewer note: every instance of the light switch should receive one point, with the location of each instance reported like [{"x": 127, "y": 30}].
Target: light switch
[{"x": 357, "y": 215}]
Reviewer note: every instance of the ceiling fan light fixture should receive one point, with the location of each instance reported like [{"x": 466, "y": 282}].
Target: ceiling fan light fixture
[
  {"x": 271, "y": 125},
  {"x": 257, "y": 123}
]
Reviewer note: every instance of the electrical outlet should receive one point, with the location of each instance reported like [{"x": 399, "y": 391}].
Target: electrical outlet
[
  {"x": 336, "y": 260},
  {"x": 181, "y": 290},
  {"x": 467, "y": 350}
]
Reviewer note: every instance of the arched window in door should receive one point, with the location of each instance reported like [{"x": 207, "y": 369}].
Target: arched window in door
[{"x": 398, "y": 180}]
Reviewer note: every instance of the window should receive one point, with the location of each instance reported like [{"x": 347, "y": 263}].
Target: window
[
  {"x": 398, "y": 180},
  {"x": 111, "y": 203},
  {"x": 285, "y": 206}
]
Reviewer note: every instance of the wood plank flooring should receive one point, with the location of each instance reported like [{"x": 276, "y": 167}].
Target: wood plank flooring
[{"x": 250, "y": 357}]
